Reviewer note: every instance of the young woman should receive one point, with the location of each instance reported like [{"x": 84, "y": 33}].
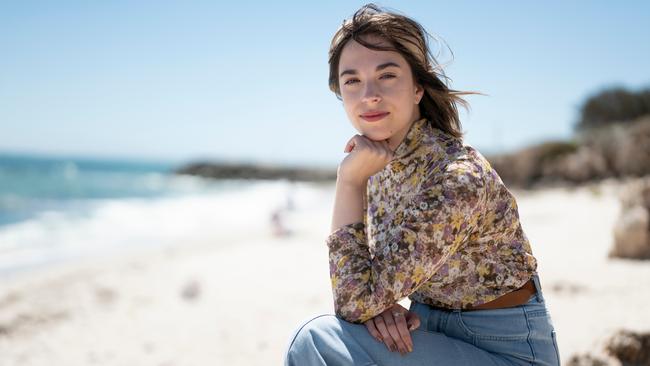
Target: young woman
[{"x": 418, "y": 214}]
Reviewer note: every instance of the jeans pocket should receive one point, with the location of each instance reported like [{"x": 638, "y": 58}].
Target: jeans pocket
[
  {"x": 502, "y": 331},
  {"x": 505, "y": 324}
]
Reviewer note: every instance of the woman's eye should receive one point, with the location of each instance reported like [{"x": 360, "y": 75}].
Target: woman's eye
[{"x": 385, "y": 76}]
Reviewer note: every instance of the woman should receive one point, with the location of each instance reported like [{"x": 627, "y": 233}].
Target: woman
[{"x": 418, "y": 214}]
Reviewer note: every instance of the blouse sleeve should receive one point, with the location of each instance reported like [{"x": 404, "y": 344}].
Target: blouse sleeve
[{"x": 437, "y": 220}]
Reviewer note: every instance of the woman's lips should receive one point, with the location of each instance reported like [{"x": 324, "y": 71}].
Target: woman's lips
[{"x": 374, "y": 117}]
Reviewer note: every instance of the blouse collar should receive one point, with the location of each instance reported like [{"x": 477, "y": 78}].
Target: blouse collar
[{"x": 417, "y": 132}]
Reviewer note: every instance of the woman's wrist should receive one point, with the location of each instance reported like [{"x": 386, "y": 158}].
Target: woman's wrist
[{"x": 351, "y": 182}]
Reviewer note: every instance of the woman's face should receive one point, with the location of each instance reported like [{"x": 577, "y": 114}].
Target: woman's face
[{"x": 374, "y": 82}]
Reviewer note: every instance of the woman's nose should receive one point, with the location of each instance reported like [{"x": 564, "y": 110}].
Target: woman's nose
[{"x": 371, "y": 93}]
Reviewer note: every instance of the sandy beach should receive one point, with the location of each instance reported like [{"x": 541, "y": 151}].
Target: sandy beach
[{"x": 236, "y": 300}]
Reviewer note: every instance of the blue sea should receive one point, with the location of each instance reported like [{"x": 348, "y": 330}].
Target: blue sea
[
  {"x": 55, "y": 208},
  {"x": 31, "y": 185}
]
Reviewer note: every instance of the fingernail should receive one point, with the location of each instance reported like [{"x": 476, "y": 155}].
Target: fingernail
[{"x": 410, "y": 347}]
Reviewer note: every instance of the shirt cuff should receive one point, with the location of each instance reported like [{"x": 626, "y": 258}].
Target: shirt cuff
[{"x": 350, "y": 234}]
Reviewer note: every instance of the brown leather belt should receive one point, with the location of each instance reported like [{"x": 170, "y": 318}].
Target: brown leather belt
[{"x": 517, "y": 297}]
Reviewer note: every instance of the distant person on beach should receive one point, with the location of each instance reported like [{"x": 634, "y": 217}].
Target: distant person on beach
[
  {"x": 277, "y": 223},
  {"x": 419, "y": 214}
]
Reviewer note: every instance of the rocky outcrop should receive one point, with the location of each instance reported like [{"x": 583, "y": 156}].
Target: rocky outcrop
[
  {"x": 624, "y": 348},
  {"x": 620, "y": 150},
  {"x": 256, "y": 171},
  {"x": 632, "y": 229},
  {"x": 590, "y": 360},
  {"x": 584, "y": 165},
  {"x": 630, "y": 348},
  {"x": 532, "y": 165},
  {"x": 633, "y": 156}
]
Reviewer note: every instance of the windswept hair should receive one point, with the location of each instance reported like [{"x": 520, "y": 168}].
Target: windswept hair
[{"x": 409, "y": 38}]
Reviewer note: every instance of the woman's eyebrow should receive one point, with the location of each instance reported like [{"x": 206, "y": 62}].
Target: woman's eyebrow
[{"x": 380, "y": 67}]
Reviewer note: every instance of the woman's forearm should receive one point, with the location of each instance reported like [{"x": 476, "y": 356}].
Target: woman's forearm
[{"x": 348, "y": 204}]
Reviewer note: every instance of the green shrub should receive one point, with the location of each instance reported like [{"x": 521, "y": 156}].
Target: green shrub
[{"x": 613, "y": 106}]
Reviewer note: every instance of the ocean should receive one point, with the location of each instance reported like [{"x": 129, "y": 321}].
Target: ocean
[{"x": 54, "y": 209}]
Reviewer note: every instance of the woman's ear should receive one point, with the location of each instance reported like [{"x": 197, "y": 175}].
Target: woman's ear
[{"x": 419, "y": 93}]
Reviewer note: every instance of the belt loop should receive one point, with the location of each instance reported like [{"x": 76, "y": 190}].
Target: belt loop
[{"x": 538, "y": 287}]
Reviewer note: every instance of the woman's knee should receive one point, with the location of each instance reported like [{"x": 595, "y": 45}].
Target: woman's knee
[
  {"x": 315, "y": 326},
  {"x": 310, "y": 336}
]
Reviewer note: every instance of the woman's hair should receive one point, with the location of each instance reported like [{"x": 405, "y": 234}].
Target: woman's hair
[{"x": 406, "y": 36}]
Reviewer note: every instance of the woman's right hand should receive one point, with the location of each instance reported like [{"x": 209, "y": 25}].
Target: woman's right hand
[
  {"x": 392, "y": 327},
  {"x": 366, "y": 158}
]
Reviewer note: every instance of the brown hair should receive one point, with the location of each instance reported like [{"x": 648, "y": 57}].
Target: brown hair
[{"x": 406, "y": 36}]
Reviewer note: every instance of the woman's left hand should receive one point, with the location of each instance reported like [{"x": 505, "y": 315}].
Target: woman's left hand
[
  {"x": 366, "y": 157},
  {"x": 392, "y": 327}
]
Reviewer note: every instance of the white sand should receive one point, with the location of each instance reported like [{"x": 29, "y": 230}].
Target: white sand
[{"x": 244, "y": 299}]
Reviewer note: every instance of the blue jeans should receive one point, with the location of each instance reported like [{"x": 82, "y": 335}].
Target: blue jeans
[{"x": 521, "y": 335}]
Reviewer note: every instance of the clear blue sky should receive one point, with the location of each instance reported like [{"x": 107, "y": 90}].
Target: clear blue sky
[{"x": 247, "y": 81}]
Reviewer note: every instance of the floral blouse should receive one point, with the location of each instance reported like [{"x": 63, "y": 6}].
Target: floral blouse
[{"x": 439, "y": 227}]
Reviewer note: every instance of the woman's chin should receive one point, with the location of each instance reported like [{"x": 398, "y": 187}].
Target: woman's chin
[{"x": 376, "y": 136}]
